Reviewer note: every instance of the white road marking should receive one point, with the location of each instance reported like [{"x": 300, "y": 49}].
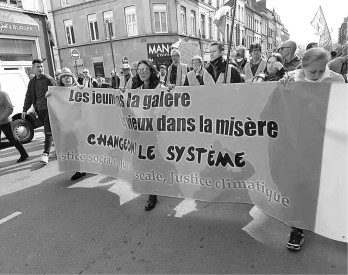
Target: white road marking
[
  {"x": 185, "y": 207},
  {"x": 15, "y": 214}
]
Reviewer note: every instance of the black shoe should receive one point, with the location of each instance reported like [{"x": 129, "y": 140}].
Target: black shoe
[
  {"x": 23, "y": 158},
  {"x": 78, "y": 175},
  {"x": 151, "y": 203},
  {"x": 296, "y": 239}
]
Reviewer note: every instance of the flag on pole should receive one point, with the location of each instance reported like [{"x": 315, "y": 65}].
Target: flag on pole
[
  {"x": 220, "y": 16},
  {"x": 319, "y": 23}
]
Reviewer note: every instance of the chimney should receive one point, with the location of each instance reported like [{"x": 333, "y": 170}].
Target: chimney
[{"x": 262, "y": 3}]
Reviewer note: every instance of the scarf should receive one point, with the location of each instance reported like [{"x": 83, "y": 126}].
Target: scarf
[
  {"x": 207, "y": 78},
  {"x": 180, "y": 75}
]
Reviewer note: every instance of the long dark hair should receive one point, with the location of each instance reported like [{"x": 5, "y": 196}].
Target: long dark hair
[{"x": 154, "y": 79}]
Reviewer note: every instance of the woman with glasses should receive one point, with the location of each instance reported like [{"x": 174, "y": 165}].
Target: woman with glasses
[
  {"x": 146, "y": 78},
  {"x": 274, "y": 70}
]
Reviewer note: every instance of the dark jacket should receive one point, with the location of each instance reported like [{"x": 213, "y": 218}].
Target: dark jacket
[
  {"x": 240, "y": 65},
  {"x": 220, "y": 66},
  {"x": 292, "y": 64},
  {"x": 115, "y": 82},
  {"x": 30, "y": 97}
]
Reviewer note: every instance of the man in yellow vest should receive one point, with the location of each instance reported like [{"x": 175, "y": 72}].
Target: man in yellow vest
[{"x": 256, "y": 65}]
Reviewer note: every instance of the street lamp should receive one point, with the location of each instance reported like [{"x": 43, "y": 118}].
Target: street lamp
[{"x": 111, "y": 34}]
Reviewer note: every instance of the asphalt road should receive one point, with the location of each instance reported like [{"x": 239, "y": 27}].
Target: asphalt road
[{"x": 49, "y": 224}]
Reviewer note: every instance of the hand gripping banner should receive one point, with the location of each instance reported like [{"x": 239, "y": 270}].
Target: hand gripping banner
[{"x": 282, "y": 149}]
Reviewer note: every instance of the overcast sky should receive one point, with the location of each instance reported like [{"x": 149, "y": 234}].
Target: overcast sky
[{"x": 296, "y": 15}]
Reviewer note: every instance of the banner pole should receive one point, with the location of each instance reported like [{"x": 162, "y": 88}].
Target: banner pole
[{"x": 230, "y": 40}]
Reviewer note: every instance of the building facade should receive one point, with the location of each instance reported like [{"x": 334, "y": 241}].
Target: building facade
[
  {"x": 343, "y": 32},
  {"x": 105, "y": 31},
  {"x": 24, "y": 35}
]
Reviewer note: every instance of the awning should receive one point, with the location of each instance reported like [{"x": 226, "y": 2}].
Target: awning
[{"x": 17, "y": 23}]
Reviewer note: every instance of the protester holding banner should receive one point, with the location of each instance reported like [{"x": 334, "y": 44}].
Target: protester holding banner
[
  {"x": 274, "y": 70},
  {"x": 68, "y": 79},
  {"x": 199, "y": 75},
  {"x": 287, "y": 51},
  {"x": 146, "y": 78},
  {"x": 340, "y": 64},
  {"x": 314, "y": 69},
  {"x": 256, "y": 65},
  {"x": 217, "y": 66},
  {"x": 177, "y": 71}
]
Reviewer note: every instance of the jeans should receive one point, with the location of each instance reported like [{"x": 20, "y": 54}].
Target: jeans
[
  {"x": 7, "y": 129},
  {"x": 45, "y": 120}
]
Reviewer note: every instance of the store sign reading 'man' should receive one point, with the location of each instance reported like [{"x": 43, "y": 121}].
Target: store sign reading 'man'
[
  {"x": 158, "y": 50},
  {"x": 17, "y": 28}
]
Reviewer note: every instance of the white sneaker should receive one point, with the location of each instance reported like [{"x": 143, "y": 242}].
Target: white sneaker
[{"x": 44, "y": 158}]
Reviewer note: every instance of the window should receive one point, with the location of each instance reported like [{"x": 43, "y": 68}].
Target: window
[
  {"x": 93, "y": 26},
  {"x": 193, "y": 23},
  {"x": 131, "y": 20},
  {"x": 64, "y": 2},
  {"x": 203, "y": 25},
  {"x": 239, "y": 18},
  {"x": 210, "y": 28},
  {"x": 183, "y": 19},
  {"x": 227, "y": 33},
  {"x": 69, "y": 31},
  {"x": 160, "y": 15},
  {"x": 242, "y": 18},
  {"x": 109, "y": 23}
]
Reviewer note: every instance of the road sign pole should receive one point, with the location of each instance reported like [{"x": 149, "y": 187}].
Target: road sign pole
[
  {"x": 76, "y": 70},
  {"x": 75, "y": 55},
  {"x": 111, "y": 46}
]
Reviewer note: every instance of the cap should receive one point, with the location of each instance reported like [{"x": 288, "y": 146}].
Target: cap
[
  {"x": 125, "y": 66},
  {"x": 66, "y": 71}
]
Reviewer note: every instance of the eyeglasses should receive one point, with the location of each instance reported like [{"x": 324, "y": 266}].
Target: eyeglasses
[
  {"x": 143, "y": 70},
  {"x": 282, "y": 48},
  {"x": 173, "y": 55},
  {"x": 85, "y": 72}
]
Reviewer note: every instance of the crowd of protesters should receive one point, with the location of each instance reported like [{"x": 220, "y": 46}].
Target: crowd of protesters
[{"x": 316, "y": 65}]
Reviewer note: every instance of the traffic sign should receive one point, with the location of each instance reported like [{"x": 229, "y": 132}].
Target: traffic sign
[{"x": 74, "y": 54}]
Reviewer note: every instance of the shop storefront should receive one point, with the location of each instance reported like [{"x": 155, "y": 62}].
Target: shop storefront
[
  {"x": 159, "y": 53},
  {"x": 21, "y": 40}
]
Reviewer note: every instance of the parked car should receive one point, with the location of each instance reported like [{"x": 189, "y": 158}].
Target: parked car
[{"x": 15, "y": 83}]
